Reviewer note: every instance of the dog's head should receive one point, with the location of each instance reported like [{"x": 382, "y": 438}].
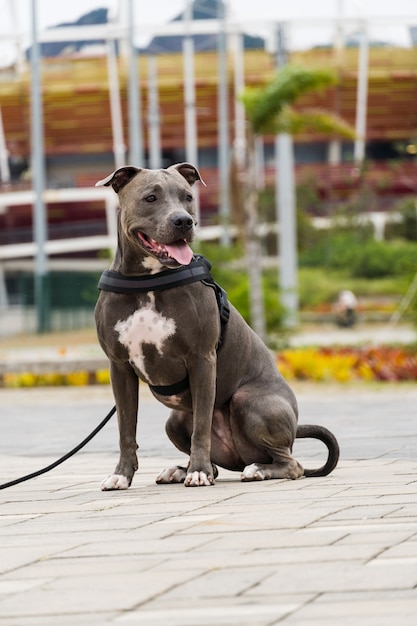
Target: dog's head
[{"x": 157, "y": 210}]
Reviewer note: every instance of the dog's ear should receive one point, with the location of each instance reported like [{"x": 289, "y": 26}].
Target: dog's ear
[
  {"x": 189, "y": 172},
  {"x": 119, "y": 178}
]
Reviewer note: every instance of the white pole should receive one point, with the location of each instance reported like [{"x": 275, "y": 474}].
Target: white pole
[
  {"x": 4, "y": 300},
  {"x": 155, "y": 160},
  {"x": 38, "y": 181},
  {"x": 135, "y": 106},
  {"x": 286, "y": 211},
  {"x": 119, "y": 147},
  {"x": 335, "y": 146},
  {"x": 260, "y": 163},
  {"x": 239, "y": 85},
  {"x": 20, "y": 57},
  {"x": 191, "y": 145},
  {"x": 223, "y": 120},
  {"x": 4, "y": 155},
  {"x": 361, "y": 97},
  {"x": 254, "y": 251},
  {"x": 285, "y": 184}
]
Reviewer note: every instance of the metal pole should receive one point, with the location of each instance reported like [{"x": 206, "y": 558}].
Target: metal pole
[
  {"x": 119, "y": 147},
  {"x": 20, "y": 57},
  {"x": 4, "y": 155},
  {"x": 191, "y": 146},
  {"x": 136, "y": 156},
  {"x": 155, "y": 161},
  {"x": 223, "y": 120},
  {"x": 38, "y": 179},
  {"x": 253, "y": 247},
  {"x": 287, "y": 227},
  {"x": 286, "y": 210},
  {"x": 361, "y": 97},
  {"x": 239, "y": 84},
  {"x": 4, "y": 300},
  {"x": 335, "y": 145},
  {"x": 260, "y": 163}
]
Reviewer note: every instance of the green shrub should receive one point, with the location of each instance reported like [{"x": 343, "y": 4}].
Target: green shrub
[
  {"x": 239, "y": 296},
  {"x": 377, "y": 259},
  {"x": 333, "y": 250},
  {"x": 316, "y": 286},
  {"x": 229, "y": 270},
  {"x": 367, "y": 258},
  {"x": 406, "y": 228}
]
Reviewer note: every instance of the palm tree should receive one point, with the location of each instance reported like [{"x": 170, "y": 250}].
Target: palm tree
[{"x": 269, "y": 112}]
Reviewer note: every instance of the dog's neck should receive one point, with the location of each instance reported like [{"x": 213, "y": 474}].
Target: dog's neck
[{"x": 132, "y": 263}]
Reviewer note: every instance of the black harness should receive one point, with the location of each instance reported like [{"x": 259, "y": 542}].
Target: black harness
[{"x": 197, "y": 271}]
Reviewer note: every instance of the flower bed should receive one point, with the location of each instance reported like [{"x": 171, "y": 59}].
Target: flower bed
[
  {"x": 52, "y": 379},
  {"x": 343, "y": 364}
]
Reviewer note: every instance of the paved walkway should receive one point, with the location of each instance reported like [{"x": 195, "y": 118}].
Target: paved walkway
[
  {"x": 314, "y": 552},
  {"x": 331, "y": 335}
]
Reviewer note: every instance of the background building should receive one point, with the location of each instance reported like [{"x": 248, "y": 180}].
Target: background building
[{"x": 81, "y": 132}]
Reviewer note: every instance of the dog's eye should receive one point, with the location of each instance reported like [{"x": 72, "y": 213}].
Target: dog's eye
[
  {"x": 150, "y": 198},
  {"x": 189, "y": 197}
]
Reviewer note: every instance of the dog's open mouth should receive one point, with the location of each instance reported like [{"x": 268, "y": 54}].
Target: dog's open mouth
[{"x": 178, "y": 251}]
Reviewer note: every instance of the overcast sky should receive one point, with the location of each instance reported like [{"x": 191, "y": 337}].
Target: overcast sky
[{"x": 304, "y": 16}]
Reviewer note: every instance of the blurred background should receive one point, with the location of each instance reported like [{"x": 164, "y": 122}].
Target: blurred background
[{"x": 89, "y": 86}]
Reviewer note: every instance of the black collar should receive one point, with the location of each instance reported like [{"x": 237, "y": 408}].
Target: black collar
[{"x": 197, "y": 270}]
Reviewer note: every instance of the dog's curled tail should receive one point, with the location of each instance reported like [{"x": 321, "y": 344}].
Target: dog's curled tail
[{"x": 329, "y": 440}]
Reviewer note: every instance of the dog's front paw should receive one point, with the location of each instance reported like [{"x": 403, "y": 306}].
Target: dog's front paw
[
  {"x": 253, "y": 472},
  {"x": 115, "y": 481},
  {"x": 199, "y": 479},
  {"x": 171, "y": 475}
]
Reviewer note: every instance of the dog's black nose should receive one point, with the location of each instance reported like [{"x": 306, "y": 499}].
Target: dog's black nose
[{"x": 183, "y": 222}]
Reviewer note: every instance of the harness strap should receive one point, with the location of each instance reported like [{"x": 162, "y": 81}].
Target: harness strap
[
  {"x": 197, "y": 270},
  {"x": 171, "y": 390},
  {"x": 222, "y": 305}
]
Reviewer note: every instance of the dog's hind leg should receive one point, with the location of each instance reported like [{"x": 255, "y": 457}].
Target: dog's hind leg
[
  {"x": 179, "y": 429},
  {"x": 266, "y": 423},
  {"x": 289, "y": 468}
]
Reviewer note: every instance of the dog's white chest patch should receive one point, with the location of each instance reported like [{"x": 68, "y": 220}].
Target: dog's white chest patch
[
  {"x": 146, "y": 325},
  {"x": 152, "y": 264}
]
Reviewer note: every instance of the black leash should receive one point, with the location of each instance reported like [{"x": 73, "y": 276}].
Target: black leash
[{"x": 63, "y": 458}]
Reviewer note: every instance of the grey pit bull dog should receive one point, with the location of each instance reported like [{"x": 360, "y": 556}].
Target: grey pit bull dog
[{"x": 162, "y": 319}]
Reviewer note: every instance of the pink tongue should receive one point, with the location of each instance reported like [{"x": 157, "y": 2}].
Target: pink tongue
[{"x": 180, "y": 251}]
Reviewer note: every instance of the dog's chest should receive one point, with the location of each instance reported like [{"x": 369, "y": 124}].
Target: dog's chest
[{"x": 144, "y": 326}]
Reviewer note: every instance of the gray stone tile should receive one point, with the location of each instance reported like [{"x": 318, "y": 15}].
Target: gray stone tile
[
  {"x": 340, "y": 549},
  {"x": 380, "y": 611},
  {"x": 339, "y": 576}
]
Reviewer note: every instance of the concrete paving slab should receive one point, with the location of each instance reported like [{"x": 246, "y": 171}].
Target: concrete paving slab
[
  {"x": 340, "y": 549},
  {"x": 377, "y": 612}
]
